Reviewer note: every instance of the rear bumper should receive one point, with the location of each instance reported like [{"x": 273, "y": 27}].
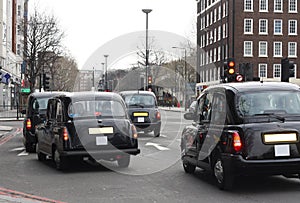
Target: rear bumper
[
  {"x": 240, "y": 166},
  {"x": 147, "y": 126},
  {"x": 105, "y": 154}
]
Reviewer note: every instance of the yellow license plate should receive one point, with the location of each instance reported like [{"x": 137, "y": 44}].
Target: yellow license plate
[
  {"x": 136, "y": 114},
  {"x": 104, "y": 130},
  {"x": 280, "y": 138}
]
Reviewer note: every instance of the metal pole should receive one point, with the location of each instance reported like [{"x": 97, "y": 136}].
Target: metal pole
[
  {"x": 185, "y": 81},
  {"x": 105, "y": 84},
  {"x": 147, "y": 51}
]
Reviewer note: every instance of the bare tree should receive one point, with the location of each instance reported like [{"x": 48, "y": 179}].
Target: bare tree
[
  {"x": 43, "y": 37},
  {"x": 156, "y": 59},
  {"x": 63, "y": 73}
]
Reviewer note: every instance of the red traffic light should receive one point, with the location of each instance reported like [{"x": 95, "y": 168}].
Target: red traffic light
[
  {"x": 231, "y": 64},
  {"x": 149, "y": 79}
]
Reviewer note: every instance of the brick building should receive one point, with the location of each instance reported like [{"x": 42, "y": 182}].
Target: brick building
[{"x": 258, "y": 32}]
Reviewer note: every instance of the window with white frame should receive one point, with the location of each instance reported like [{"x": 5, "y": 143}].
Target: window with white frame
[
  {"x": 262, "y": 70},
  {"x": 248, "y": 26},
  {"x": 263, "y": 26},
  {"x": 277, "y": 5},
  {"x": 292, "y": 27},
  {"x": 277, "y": 70},
  {"x": 248, "y": 48},
  {"x": 263, "y": 49},
  {"x": 248, "y": 5},
  {"x": 215, "y": 15},
  {"x": 292, "y": 49},
  {"x": 220, "y": 13},
  {"x": 277, "y": 49},
  {"x": 292, "y": 6},
  {"x": 295, "y": 71},
  {"x": 219, "y": 33},
  {"x": 219, "y": 53},
  {"x": 277, "y": 27},
  {"x": 263, "y": 5}
]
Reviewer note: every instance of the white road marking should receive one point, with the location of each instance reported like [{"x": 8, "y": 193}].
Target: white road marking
[
  {"x": 24, "y": 153},
  {"x": 17, "y": 149},
  {"x": 157, "y": 146}
]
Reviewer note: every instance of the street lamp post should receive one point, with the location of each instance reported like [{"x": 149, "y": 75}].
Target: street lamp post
[
  {"x": 184, "y": 77},
  {"x": 147, "y": 11},
  {"x": 105, "y": 86}
]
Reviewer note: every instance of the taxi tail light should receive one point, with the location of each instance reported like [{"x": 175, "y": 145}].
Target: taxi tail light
[
  {"x": 134, "y": 132},
  {"x": 28, "y": 124},
  {"x": 65, "y": 134},
  {"x": 158, "y": 115},
  {"x": 237, "y": 142}
]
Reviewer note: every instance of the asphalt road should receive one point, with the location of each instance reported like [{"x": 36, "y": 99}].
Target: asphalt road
[{"x": 156, "y": 175}]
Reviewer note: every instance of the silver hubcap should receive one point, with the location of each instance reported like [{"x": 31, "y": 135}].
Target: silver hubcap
[{"x": 219, "y": 173}]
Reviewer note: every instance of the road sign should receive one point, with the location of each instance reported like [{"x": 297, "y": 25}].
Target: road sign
[{"x": 25, "y": 90}]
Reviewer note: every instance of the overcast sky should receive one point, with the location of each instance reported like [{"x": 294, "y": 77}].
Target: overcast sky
[{"x": 91, "y": 23}]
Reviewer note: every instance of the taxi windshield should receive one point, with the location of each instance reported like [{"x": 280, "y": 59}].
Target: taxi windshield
[
  {"x": 96, "y": 108},
  {"x": 269, "y": 102}
]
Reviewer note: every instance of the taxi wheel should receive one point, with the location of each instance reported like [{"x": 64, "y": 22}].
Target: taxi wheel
[
  {"x": 60, "y": 162},
  {"x": 222, "y": 174},
  {"x": 189, "y": 168},
  {"x": 156, "y": 132},
  {"x": 124, "y": 161},
  {"x": 40, "y": 155},
  {"x": 30, "y": 148}
]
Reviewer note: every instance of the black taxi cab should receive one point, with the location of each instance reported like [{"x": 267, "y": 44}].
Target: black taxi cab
[
  {"x": 143, "y": 110},
  {"x": 239, "y": 129},
  {"x": 93, "y": 125},
  {"x": 35, "y": 113}
]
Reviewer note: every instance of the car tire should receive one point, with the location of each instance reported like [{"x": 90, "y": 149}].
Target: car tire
[
  {"x": 188, "y": 168},
  {"x": 29, "y": 147},
  {"x": 156, "y": 132},
  {"x": 124, "y": 161},
  {"x": 222, "y": 174},
  {"x": 41, "y": 156},
  {"x": 60, "y": 162}
]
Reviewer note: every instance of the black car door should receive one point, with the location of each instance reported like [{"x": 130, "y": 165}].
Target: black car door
[{"x": 204, "y": 111}]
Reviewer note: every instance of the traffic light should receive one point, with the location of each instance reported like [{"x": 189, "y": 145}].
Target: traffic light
[
  {"x": 149, "y": 80},
  {"x": 46, "y": 82},
  {"x": 287, "y": 70},
  {"x": 229, "y": 70}
]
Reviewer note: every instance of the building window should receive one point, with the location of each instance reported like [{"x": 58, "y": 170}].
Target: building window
[
  {"x": 263, "y": 26},
  {"x": 220, "y": 13},
  {"x": 262, "y": 70},
  {"x": 248, "y": 26},
  {"x": 248, "y": 5},
  {"x": 277, "y": 27},
  {"x": 219, "y": 33},
  {"x": 277, "y": 5},
  {"x": 292, "y": 27},
  {"x": 263, "y": 5},
  {"x": 248, "y": 48},
  {"x": 292, "y": 6},
  {"x": 277, "y": 70},
  {"x": 263, "y": 49},
  {"x": 277, "y": 49},
  {"x": 292, "y": 49}
]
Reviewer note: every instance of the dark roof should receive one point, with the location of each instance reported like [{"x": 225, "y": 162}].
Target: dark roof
[
  {"x": 253, "y": 86},
  {"x": 137, "y": 92},
  {"x": 47, "y": 94},
  {"x": 90, "y": 95}
]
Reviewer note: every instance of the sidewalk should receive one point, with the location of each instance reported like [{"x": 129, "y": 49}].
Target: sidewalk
[{"x": 4, "y": 130}]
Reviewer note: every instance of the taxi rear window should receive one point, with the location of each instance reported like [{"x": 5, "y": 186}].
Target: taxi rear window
[
  {"x": 96, "y": 108},
  {"x": 281, "y": 102},
  {"x": 139, "y": 100}
]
